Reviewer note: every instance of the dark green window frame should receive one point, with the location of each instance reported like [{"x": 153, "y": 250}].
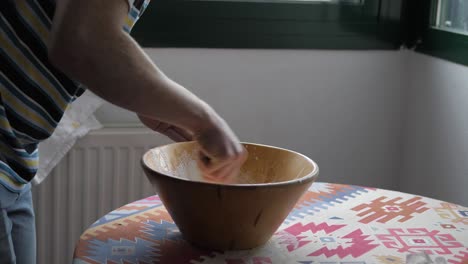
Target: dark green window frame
[
  {"x": 375, "y": 24},
  {"x": 435, "y": 42}
]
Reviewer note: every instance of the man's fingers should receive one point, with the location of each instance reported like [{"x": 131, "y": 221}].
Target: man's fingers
[
  {"x": 208, "y": 165},
  {"x": 225, "y": 174},
  {"x": 216, "y": 171},
  {"x": 230, "y": 174}
]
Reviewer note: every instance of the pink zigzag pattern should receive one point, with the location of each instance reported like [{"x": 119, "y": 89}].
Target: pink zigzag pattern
[
  {"x": 360, "y": 246},
  {"x": 298, "y": 228},
  {"x": 291, "y": 235}
]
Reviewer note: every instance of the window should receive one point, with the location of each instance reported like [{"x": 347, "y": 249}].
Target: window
[
  {"x": 283, "y": 1},
  {"x": 325, "y": 24},
  {"x": 451, "y": 15},
  {"x": 443, "y": 31}
]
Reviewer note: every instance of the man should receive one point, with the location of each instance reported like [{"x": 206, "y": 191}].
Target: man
[{"x": 47, "y": 50}]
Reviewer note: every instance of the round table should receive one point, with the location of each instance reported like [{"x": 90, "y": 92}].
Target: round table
[{"x": 332, "y": 224}]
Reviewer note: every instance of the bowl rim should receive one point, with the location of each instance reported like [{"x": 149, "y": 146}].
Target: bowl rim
[{"x": 309, "y": 177}]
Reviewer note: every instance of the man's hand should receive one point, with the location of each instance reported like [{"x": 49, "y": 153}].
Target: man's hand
[{"x": 221, "y": 154}]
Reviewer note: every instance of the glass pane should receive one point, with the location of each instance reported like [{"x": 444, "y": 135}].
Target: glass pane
[
  {"x": 452, "y": 15},
  {"x": 355, "y": 2}
]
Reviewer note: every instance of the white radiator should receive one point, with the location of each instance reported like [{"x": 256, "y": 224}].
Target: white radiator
[{"x": 100, "y": 173}]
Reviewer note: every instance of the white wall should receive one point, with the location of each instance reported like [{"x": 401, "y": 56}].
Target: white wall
[
  {"x": 436, "y": 140},
  {"x": 342, "y": 108}
]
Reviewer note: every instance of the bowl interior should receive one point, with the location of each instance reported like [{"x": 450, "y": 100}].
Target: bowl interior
[{"x": 264, "y": 165}]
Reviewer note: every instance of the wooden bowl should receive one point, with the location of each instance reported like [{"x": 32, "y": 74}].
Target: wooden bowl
[{"x": 235, "y": 216}]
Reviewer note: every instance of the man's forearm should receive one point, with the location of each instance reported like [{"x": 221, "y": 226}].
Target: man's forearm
[
  {"x": 112, "y": 65},
  {"x": 87, "y": 43}
]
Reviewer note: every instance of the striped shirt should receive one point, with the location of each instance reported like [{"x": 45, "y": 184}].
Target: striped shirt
[{"x": 33, "y": 93}]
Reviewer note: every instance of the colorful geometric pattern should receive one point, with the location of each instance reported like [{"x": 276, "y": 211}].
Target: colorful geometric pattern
[
  {"x": 383, "y": 211},
  {"x": 453, "y": 212},
  {"x": 353, "y": 244},
  {"x": 323, "y": 196},
  {"x": 330, "y": 224},
  {"x": 420, "y": 240}
]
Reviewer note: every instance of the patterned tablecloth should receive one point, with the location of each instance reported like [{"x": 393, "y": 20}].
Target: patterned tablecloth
[{"x": 332, "y": 224}]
